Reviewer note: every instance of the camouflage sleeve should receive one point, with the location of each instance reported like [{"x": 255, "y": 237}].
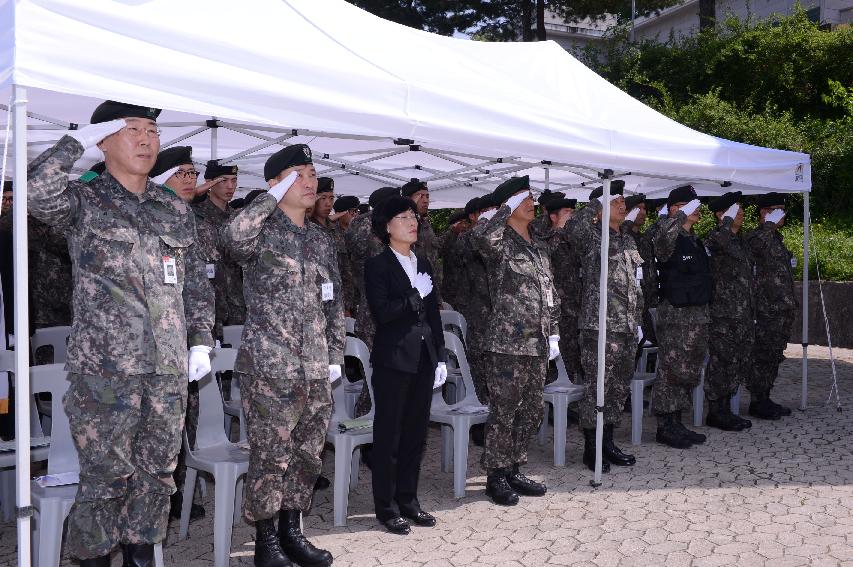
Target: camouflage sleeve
[
  {"x": 445, "y": 242},
  {"x": 760, "y": 240},
  {"x": 719, "y": 239},
  {"x": 347, "y": 282},
  {"x": 581, "y": 228},
  {"x": 239, "y": 237},
  {"x": 48, "y": 196},
  {"x": 199, "y": 297},
  {"x": 489, "y": 240},
  {"x": 336, "y": 332},
  {"x": 665, "y": 237}
]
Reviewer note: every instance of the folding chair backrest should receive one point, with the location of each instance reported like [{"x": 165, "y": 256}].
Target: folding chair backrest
[
  {"x": 454, "y": 345},
  {"x": 233, "y": 335},
  {"x": 57, "y": 337},
  {"x": 455, "y": 319},
  {"x": 356, "y": 348},
  {"x": 210, "y": 413},
  {"x": 653, "y": 315},
  {"x": 350, "y": 325},
  {"x": 53, "y": 379}
]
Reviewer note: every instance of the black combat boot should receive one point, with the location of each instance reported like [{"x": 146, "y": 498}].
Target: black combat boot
[
  {"x": 695, "y": 438},
  {"x": 720, "y": 416},
  {"x": 499, "y": 490},
  {"x": 589, "y": 452},
  {"x": 783, "y": 411},
  {"x": 670, "y": 434},
  {"x": 761, "y": 407},
  {"x": 268, "y": 551},
  {"x": 96, "y": 562},
  {"x": 523, "y": 485},
  {"x": 137, "y": 554},
  {"x": 612, "y": 453},
  {"x": 296, "y": 545}
]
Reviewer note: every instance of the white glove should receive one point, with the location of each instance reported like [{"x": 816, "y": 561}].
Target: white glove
[
  {"x": 775, "y": 216},
  {"x": 488, "y": 214},
  {"x": 611, "y": 198},
  {"x": 279, "y": 189},
  {"x": 199, "y": 362},
  {"x": 553, "y": 347},
  {"x": 514, "y": 201},
  {"x": 691, "y": 207},
  {"x": 731, "y": 212},
  {"x": 632, "y": 214},
  {"x": 334, "y": 372},
  {"x": 440, "y": 375},
  {"x": 664, "y": 211},
  {"x": 423, "y": 283},
  {"x": 90, "y": 135}
]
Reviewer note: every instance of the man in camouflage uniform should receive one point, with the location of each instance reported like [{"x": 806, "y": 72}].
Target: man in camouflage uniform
[
  {"x": 731, "y": 333},
  {"x": 451, "y": 259},
  {"x": 682, "y": 317},
  {"x": 345, "y": 210},
  {"x": 293, "y": 346},
  {"x": 322, "y": 216},
  {"x": 776, "y": 304},
  {"x": 427, "y": 244},
  {"x": 635, "y": 218},
  {"x": 624, "y": 309},
  {"x": 132, "y": 249},
  {"x": 50, "y": 280},
  {"x": 521, "y": 337}
]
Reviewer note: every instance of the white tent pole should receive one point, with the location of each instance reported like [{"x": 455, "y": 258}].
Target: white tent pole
[
  {"x": 214, "y": 135},
  {"x": 22, "y": 331},
  {"x": 602, "y": 327},
  {"x": 806, "y": 234},
  {"x": 547, "y": 178}
]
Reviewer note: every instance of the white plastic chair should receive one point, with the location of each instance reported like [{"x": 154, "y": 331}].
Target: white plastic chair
[
  {"x": 455, "y": 385},
  {"x": 53, "y": 504},
  {"x": 735, "y": 403},
  {"x": 458, "y": 417},
  {"x": 216, "y": 455},
  {"x": 350, "y": 325},
  {"x": 455, "y": 319},
  {"x": 446, "y": 306},
  {"x": 639, "y": 383},
  {"x": 347, "y": 452},
  {"x": 559, "y": 394},
  {"x": 57, "y": 337},
  {"x": 232, "y": 335}
]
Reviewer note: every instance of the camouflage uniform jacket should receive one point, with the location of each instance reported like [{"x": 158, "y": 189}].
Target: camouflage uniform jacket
[
  {"x": 774, "y": 272},
  {"x": 451, "y": 265},
  {"x": 564, "y": 262},
  {"x": 650, "y": 267},
  {"x": 338, "y": 236},
  {"x": 732, "y": 270},
  {"x": 127, "y": 319},
  {"x": 624, "y": 296},
  {"x": 428, "y": 245},
  {"x": 475, "y": 299},
  {"x": 288, "y": 324},
  {"x": 228, "y": 278},
  {"x": 50, "y": 275},
  {"x": 361, "y": 245},
  {"x": 664, "y": 239},
  {"x": 525, "y": 305}
]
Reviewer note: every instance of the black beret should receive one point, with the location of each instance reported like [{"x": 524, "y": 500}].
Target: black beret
[
  {"x": 473, "y": 206},
  {"x": 291, "y": 156},
  {"x": 615, "y": 189},
  {"x": 381, "y": 194},
  {"x": 457, "y": 216},
  {"x": 487, "y": 201},
  {"x": 252, "y": 195},
  {"x": 99, "y": 167},
  {"x": 683, "y": 194},
  {"x": 325, "y": 185},
  {"x": 655, "y": 203},
  {"x": 112, "y": 110},
  {"x": 363, "y": 208},
  {"x": 510, "y": 187},
  {"x": 633, "y": 200},
  {"x": 724, "y": 201},
  {"x": 618, "y": 183},
  {"x": 214, "y": 169},
  {"x": 7, "y": 186},
  {"x": 386, "y": 210},
  {"x": 547, "y": 195},
  {"x": 345, "y": 203},
  {"x": 557, "y": 204},
  {"x": 171, "y": 157},
  {"x": 237, "y": 204},
  {"x": 770, "y": 200},
  {"x": 413, "y": 187}
]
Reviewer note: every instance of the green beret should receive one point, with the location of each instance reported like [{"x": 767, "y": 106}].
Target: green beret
[
  {"x": 171, "y": 157},
  {"x": 291, "y": 156},
  {"x": 381, "y": 194},
  {"x": 325, "y": 185},
  {"x": 413, "y": 187},
  {"x": 557, "y": 204},
  {"x": 683, "y": 194},
  {"x": 633, "y": 200},
  {"x": 345, "y": 203},
  {"x": 214, "y": 169},
  {"x": 112, "y": 110},
  {"x": 615, "y": 189},
  {"x": 510, "y": 187},
  {"x": 770, "y": 200},
  {"x": 723, "y": 202}
]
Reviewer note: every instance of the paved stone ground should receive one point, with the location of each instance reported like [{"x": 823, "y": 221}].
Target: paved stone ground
[{"x": 780, "y": 495}]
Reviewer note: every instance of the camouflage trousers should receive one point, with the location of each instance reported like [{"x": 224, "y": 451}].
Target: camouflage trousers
[
  {"x": 771, "y": 338},
  {"x": 127, "y": 431},
  {"x": 286, "y": 422},
  {"x": 682, "y": 344},
  {"x": 730, "y": 346},
  {"x": 476, "y": 361},
  {"x": 190, "y": 427},
  {"x": 618, "y": 370},
  {"x": 516, "y": 386}
]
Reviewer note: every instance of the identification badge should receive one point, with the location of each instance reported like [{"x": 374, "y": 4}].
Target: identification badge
[
  {"x": 793, "y": 262},
  {"x": 639, "y": 273},
  {"x": 549, "y": 297},
  {"x": 170, "y": 271},
  {"x": 211, "y": 271},
  {"x": 327, "y": 291}
]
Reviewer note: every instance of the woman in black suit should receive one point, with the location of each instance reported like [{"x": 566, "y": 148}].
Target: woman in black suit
[{"x": 408, "y": 363}]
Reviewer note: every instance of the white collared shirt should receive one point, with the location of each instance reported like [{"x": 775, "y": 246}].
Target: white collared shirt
[{"x": 409, "y": 264}]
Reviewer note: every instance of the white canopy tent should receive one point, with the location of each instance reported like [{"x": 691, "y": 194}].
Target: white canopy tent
[{"x": 379, "y": 103}]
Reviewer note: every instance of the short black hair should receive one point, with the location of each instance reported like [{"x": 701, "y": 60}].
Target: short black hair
[{"x": 387, "y": 210}]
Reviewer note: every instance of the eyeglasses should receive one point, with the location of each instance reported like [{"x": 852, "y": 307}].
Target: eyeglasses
[
  {"x": 135, "y": 131},
  {"x": 406, "y": 218},
  {"x": 7, "y": 199},
  {"x": 184, "y": 174}
]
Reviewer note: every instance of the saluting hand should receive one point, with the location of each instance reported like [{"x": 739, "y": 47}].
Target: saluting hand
[{"x": 89, "y": 136}]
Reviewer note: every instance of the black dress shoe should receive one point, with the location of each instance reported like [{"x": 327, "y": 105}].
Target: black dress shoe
[
  {"x": 397, "y": 526},
  {"x": 420, "y": 518}
]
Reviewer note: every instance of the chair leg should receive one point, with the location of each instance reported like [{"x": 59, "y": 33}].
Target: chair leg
[
  {"x": 735, "y": 401},
  {"x": 698, "y": 404},
  {"x": 446, "y": 448},
  {"x": 561, "y": 423},
  {"x": 36, "y": 537},
  {"x": 186, "y": 506},
  {"x": 243, "y": 432},
  {"x": 158, "y": 555},
  {"x": 340, "y": 497},
  {"x": 540, "y": 436},
  {"x": 636, "y": 412},
  {"x": 225, "y": 482},
  {"x": 7, "y": 494},
  {"x": 238, "y": 500},
  {"x": 50, "y": 532},
  {"x": 461, "y": 435},
  {"x": 355, "y": 463}
]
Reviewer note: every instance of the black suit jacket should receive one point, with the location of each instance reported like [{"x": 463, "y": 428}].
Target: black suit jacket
[{"x": 403, "y": 319}]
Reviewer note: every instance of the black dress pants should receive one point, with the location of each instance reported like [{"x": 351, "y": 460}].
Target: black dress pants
[{"x": 399, "y": 436}]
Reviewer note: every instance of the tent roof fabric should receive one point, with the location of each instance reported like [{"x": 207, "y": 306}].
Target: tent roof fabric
[{"x": 379, "y": 103}]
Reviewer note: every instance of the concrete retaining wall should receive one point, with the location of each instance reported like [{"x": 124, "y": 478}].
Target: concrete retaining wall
[{"x": 839, "y": 308}]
